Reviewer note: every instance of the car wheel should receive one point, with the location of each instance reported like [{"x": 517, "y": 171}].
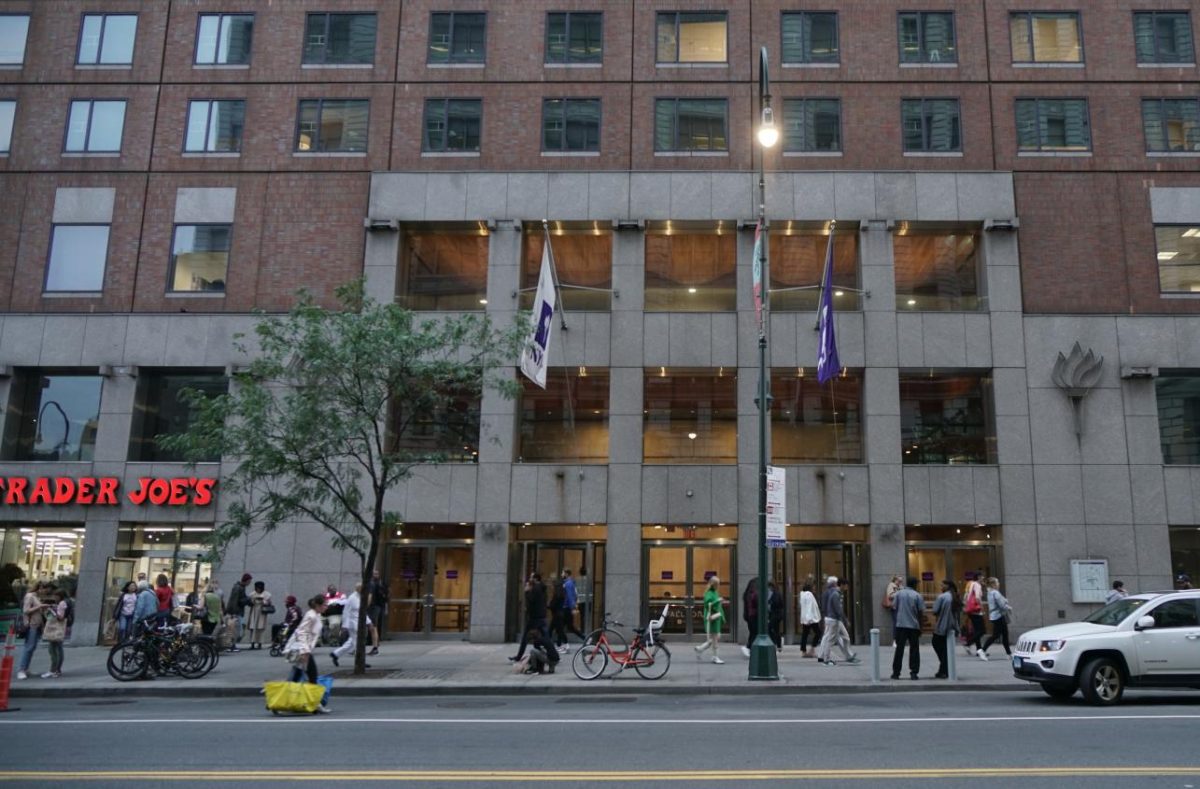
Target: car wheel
[
  {"x": 1058, "y": 692},
  {"x": 1102, "y": 682}
]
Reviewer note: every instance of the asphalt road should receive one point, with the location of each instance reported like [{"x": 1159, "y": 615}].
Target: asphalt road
[{"x": 950, "y": 739}]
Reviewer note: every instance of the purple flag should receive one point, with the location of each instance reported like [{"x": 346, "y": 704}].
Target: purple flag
[{"x": 827, "y": 356}]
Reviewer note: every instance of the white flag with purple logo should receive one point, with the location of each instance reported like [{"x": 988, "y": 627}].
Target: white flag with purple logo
[{"x": 537, "y": 347}]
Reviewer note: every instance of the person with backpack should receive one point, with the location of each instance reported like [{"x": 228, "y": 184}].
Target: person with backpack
[
  {"x": 973, "y": 608},
  {"x": 750, "y": 614},
  {"x": 947, "y": 610},
  {"x": 775, "y": 615}
]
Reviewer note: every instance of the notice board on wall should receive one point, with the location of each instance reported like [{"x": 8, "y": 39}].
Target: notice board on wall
[{"x": 1089, "y": 580}]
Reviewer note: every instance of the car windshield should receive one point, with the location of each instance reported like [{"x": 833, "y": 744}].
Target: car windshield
[{"x": 1115, "y": 612}]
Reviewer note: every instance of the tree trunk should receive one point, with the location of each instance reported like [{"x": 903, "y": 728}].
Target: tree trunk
[{"x": 368, "y": 568}]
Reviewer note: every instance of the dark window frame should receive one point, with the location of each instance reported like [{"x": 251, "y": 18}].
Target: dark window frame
[
  {"x": 1029, "y": 16},
  {"x": 28, "y": 22},
  {"x": 804, "y": 101},
  {"x": 677, "y": 62},
  {"x": 450, "y": 59},
  {"x": 21, "y": 428},
  {"x": 13, "y": 129},
  {"x": 1042, "y": 147},
  {"x": 223, "y": 17},
  {"x": 567, "y": 59},
  {"x": 320, "y": 111},
  {"x": 1178, "y": 438},
  {"x": 920, "y": 15},
  {"x": 1161, "y": 102},
  {"x": 87, "y": 133},
  {"x": 172, "y": 263},
  {"x": 675, "y": 149},
  {"x": 566, "y": 102},
  {"x": 445, "y": 103},
  {"x": 104, "y": 15},
  {"x": 143, "y": 444},
  {"x": 50, "y": 254},
  {"x": 806, "y": 46},
  {"x": 1154, "y": 14},
  {"x": 324, "y": 59},
  {"x": 925, "y": 135},
  {"x": 207, "y": 123}
]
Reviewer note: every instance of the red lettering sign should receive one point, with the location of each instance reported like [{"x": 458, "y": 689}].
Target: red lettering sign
[{"x": 103, "y": 491}]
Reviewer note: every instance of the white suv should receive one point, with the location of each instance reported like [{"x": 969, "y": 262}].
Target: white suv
[{"x": 1144, "y": 640}]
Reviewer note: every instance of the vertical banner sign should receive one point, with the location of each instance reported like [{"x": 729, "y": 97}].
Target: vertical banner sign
[
  {"x": 776, "y": 507},
  {"x": 758, "y": 274},
  {"x": 828, "y": 364},
  {"x": 533, "y": 357}
]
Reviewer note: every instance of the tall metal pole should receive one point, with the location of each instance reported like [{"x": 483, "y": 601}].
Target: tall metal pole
[{"x": 764, "y": 663}]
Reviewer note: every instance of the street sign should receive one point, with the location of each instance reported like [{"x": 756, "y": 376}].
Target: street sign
[{"x": 776, "y": 507}]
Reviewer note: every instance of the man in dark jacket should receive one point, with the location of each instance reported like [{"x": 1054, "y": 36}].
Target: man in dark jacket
[
  {"x": 910, "y": 614},
  {"x": 750, "y": 614},
  {"x": 535, "y": 618},
  {"x": 236, "y": 607}
]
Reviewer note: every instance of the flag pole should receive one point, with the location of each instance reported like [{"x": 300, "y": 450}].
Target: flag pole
[
  {"x": 562, "y": 313},
  {"x": 821, "y": 289}
]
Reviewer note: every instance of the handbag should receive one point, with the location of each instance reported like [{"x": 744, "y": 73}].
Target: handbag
[
  {"x": 268, "y": 609},
  {"x": 21, "y": 626}
]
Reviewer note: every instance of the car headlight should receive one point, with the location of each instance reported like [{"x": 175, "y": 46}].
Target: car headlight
[{"x": 1051, "y": 646}]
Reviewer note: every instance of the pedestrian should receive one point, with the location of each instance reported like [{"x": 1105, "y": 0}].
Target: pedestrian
[
  {"x": 750, "y": 614},
  {"x": 55, "y": 632},
  {"x": 570, "y": 603},
  {"x": 810, "y": 621},
  {"x": 350, "y": 608},
  {"x": 775, "y": 615},
  {"x": 146, "y": 608},
  {"x": 377, "y": 602},
  {"x": 714, "y": 620},
  {"x": 235, "y": 608},
  {"x": 1183, "y": 581},
  {"x": 1118, "y": 593},
  {"x": 999, "y": 612},
  {"x": 535, "y": 613},
  {"x": 889, "y": 597},
  {"x": 910, "y": 614},
  {"x": 947, "y": 609},
  {"x": 835, "y": 625},
  {"x": 123, "y": 611},
  {"x": 164, "y": 599},
  {"x": 301, "y": 647},
  {"x": 213, "y": 610},
  {"x": 261, "y": 609},
  {"x": 33, "y": 619},
  {"x": 973, "y": 607},
  {"x": 292, "y": 617}
]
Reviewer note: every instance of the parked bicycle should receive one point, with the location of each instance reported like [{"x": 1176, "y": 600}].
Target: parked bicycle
[
  {"x": 647, "y": 654},
  {"x": 170, "y": 649}
]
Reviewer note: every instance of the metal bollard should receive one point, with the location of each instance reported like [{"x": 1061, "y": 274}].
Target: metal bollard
[
  {"x": 951, "y": 648},
  {"x": 875, "y": 655}
]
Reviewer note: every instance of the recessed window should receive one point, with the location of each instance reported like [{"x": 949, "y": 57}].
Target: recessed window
[
  {"x": 1178, "y": 248},
  {"x": 1171, "y": 125},
  {"x": 810, "y": 37},
  {"x": 199, "y": 259},
  {"x": 797, "y": 263},
  {"x": 1178, "y": 396},
  {"x": 571, "y": 125},
  {"x": 339, "y": 39},
  {"x": 946, "y": 418},
  {"x": 107, "y": 40},
  {"x": 456, "y": 37},
  {"x": 8, "y": 112},
  {"x": 931, "y": 125},
  {"x": 575, "y": 37},
  {"x": 444, "y": 427},
  {"x": 443, "y": 270},
  {"x": 684, "y": 125},
  {"x": 568, "y": 420},
  {"x": 690, "y": 270},
  {"x": 53, "y": 416},
  {"x": 452, "y": 125},
  {"x": 937, "y": 270},
  {"x": 333, "y": 125},
  {"x": 582, "y": 259},
  {"x": 927, "y": 37},
  {"x": 215, "y": 126},
  {"x": 690, "y": 415},
  {"x": 14, "y": 29},
  {"x": 78, "y": 255},
  {"x": 224, "y": 39},
  {"x": 812, "y": 125},
  {"x": 691, "y": 37},
  {"x": 160, "y": 409},
  {"x": 1053, "y": 125},
  {"x": 812, "y": 422},
  {"x": 1045, "y": 37},
  {"x": 1163, "y": 37},
  {"x": 95, "y": 126}
]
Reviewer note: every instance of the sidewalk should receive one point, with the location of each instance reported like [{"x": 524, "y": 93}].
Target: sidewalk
[{"x": 409, "y": 668}]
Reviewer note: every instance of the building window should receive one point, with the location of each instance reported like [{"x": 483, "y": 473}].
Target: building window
[
  {"x": 682, "y": 125},
  {"x": 452, "y": 125},
  {"x": 8, "y": 112},
  {"x": 443, "y": 270},
  {"x": 443, "y": 426},
  {"x": 690, "y": 269},
  {"x": 571, "y": 125},
  {"x": 224, "y": 39},
  {"x": 931, "y": 125},
  {"x": 815, "y": 423},
  {"x": 339, "y": 39},
  {"x": 456, "y": 37},
  {"x": 798, "y": 262},
  {"x": 690, "y": 416},
  {"x": 1185, "y": 551},
  {"x": 582, "y": 260},
  {"x": 568, "y": 420},
  {"x": 1053, "y": 125},
  {"x": 1171, "y": 125},
  {"x": 199, "y": 259},
  {"x": 1163, "y": 37},
  {"x": 215, "y": 126},
  {"x": 1178, "y": 396},
  {"x": 42, "y": 551},
  {"x": 927, "y": 37},
  {"x": 810, "y": 37},
  {"x": 937, "y": 270},
  {"x": 95, "y": 126},
  {"x": 1045, "y": 37},
  {"x": 1178, "y": 258},
  {"x": 53, "y": 416},
  {"x": 946, "y": 418},
  {"x": 107, "y": 40},
  {"x": 691, "y": 37},
  {"x": 14, "y": 29},
  {"x": 333, "y": 125},
  {"x": 812, "y": 125},
  {"x": 78, "y": 254},
  {"x": 160, "y": 410},
  {"x": 576, "y": 37}
]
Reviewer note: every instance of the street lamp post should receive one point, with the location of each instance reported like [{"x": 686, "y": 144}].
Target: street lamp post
[{"x": 763, "y": 662}]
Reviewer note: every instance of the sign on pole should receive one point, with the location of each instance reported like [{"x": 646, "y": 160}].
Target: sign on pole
[{"x": 776, "y": 507}]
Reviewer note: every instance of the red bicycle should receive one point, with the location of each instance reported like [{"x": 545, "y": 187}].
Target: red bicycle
[{"x": 647, "y": 654}]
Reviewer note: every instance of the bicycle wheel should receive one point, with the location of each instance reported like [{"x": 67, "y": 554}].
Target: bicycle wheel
[
  {"x": 658, "y": 659},
  {"x": 589, "y": 661},
  {"x": 191, "y": 662},
  {"x": 127, "y": 662},
  {"x": 616, "y": 641}
]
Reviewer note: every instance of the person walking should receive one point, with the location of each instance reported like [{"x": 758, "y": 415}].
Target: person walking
[
  {"x": 123, "y": 613},
  {"x": 302, "y": 645},
  {"x": 714, "y": 620},
  {"x": 146, "y": 608},
  {"x": 212, "y": 610},
  {"x": 1118, "y": 593},
  {"x": 750, "y": 614},
  {"x": 775, "y": 615},
  {"x": 999, "y": 612},
  {"x": 973, "y": 607},
  {"x": 535, "y": 613},
  {"x": 261, "y": 609},
  {"x": 164, "y": 597},
  {"x": 33, "y": 615},
  {"x": 570, "y": 603},
  {"x": 55, "y": 632},
  {"x": 810, "y": 621},
  {"x": 350, "y": 608},
  {"x": 910, "y": 613},
  {"x": 835, "y": 625},
  {"x": 377, "y": 602},
  {"x": 947, "y": 609},
  {"x": 236, "y": 606}
]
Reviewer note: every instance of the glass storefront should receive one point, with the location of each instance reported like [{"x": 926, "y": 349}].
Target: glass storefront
[
  {"x": 548, "y": 550},
  {"x": 174, "y": 551},
  {"x": 814, "y": 553},
  {"x": 38, "y": 553},
  {"x": 677, "y": 563},
  {"x": 955, "y": 553},
  {"x": 428, "y": 570}
]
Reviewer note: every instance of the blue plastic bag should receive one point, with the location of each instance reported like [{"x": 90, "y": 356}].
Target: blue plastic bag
[{"x": 326, "y": 681}]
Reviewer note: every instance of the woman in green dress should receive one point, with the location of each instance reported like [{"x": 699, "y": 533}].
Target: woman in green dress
[{"x": 714, "y": 620}]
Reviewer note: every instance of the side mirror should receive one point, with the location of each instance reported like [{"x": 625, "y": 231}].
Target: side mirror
[{"x": 1144, "y": 623}]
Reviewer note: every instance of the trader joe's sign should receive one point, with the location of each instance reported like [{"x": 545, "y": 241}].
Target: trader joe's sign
[{"x": 106, "y": 491}]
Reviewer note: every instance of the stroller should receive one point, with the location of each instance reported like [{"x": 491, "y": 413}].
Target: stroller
[{"x": 278, "y": 639}]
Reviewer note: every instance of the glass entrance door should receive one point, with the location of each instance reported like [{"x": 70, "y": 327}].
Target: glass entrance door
[
  {"x": 117, "y": 573},
  {"x": 677, "y": 575},
  {"x": 930, "y": 564},
  {"x": 811, "y": 563},
  {"x": 430, "y": 589}
]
